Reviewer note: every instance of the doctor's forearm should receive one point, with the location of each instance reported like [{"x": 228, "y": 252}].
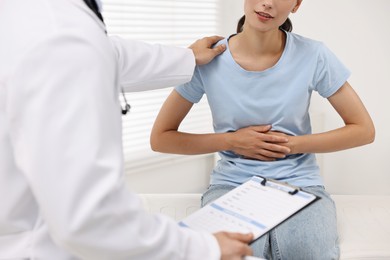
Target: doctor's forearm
[{"x": 144, "y": 66}]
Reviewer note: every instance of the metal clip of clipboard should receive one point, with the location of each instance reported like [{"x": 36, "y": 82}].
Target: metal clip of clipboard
[{"x": 295, "y": 189}]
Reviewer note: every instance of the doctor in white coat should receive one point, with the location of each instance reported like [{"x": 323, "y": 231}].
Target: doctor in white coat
[{"x": 62, "y": 190}]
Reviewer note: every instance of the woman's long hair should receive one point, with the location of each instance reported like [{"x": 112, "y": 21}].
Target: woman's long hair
[{"x": 286, "y": 26}]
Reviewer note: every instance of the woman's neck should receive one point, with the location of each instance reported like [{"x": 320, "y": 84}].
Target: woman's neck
[
  {"x": 261, "y": 43},
  {"x": 257, "y": 50}
]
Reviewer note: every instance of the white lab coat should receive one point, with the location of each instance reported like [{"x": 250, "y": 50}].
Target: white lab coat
[{"x": 62, "y": 190}]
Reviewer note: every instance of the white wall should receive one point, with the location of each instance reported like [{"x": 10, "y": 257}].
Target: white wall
[
  {"x": 230, "y": 12},
  {"x": 189, "y": 175},
  {"x": 359, "y": 33}
]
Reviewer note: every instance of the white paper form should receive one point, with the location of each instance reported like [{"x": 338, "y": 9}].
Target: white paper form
[{"x": 256, "y": 206}]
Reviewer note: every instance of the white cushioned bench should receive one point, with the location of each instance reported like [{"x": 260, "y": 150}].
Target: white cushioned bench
[{"x": 363, "y": 221}]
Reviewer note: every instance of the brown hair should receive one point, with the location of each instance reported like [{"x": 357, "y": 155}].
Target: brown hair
[{"x": 286, "y": 26}]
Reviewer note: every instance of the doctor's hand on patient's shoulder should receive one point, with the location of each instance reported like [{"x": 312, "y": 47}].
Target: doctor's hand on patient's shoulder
[
  {"x": 204, "y": 51},
  {"x": 234, "y": 245},
  {"x": 255, "y": 143}
]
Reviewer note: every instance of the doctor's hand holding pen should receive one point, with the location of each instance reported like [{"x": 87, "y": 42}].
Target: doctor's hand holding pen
[{"x": 234, "y": 245}]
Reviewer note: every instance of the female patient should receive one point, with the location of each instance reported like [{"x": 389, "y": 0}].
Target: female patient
[{"x": 259, "y": 93}]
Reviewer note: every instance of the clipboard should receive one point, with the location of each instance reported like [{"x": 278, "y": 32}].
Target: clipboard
[{"x": 256, "y": 206}]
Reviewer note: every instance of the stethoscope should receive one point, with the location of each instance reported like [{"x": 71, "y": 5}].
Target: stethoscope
[
  {"x": 95, "y": 7},
  {"x": 127, "y": 106}
]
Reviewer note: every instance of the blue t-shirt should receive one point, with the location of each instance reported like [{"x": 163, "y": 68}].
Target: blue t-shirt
[{"x": 279, "y": 96}]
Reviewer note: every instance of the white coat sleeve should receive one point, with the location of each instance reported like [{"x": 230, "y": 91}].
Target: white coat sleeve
[
  {"x": 63, "y": 112},
  {"x": 144, "y": 66}
]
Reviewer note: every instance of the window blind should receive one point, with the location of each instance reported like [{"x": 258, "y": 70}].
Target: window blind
[{"x": 171, "y": 22}]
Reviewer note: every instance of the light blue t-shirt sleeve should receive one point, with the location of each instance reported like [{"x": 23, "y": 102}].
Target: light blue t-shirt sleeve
[
  {"x": 193, "y": 91},
  {"x": 331, "y": 74}
]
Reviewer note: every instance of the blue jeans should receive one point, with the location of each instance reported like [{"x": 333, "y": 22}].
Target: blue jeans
[{"x": 310, "y": 234}]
